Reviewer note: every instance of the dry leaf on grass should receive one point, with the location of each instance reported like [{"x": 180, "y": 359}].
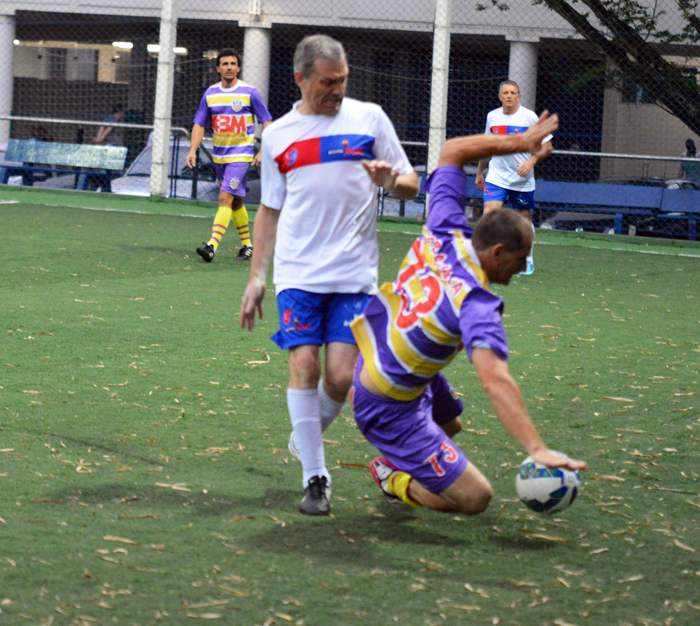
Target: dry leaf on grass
[
  {"x": 177, "y": 487},
  {"x": 120, "y": 540},
  {"x": 533, "y": 535},
  {"x": 682, "y": 546},
  {"x": 605, "y": 477},
  {"x": 479, "y": 592},
  {"x": 631, "y": 579},
  {"x": 599, "y": 551},
  {"x": 205, "y": 616},
  {"x": 561, "y": 622},
  {"x": 265, "y": 362}
]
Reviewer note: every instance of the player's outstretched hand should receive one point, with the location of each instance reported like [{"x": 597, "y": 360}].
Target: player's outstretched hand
[
  {"x": 548, "y": 458},
  {"x": 534, "y": 135},
  {"x": 381, "y": 173},
  {"x": 252, "y": 302}
]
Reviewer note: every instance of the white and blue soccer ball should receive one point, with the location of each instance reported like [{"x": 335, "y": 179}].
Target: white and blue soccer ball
[{"x": 546, "y": 489}]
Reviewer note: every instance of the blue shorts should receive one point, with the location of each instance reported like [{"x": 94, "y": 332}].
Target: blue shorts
[
  {"x": 407, "y": 436},
  {"x": 518, "y": 200},
  {"x": 232, "y": 177},
  {"x": 316, "y": 318}
]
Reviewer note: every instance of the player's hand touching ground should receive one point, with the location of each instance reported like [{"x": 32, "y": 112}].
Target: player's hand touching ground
[{"x": 548, "y": 458}]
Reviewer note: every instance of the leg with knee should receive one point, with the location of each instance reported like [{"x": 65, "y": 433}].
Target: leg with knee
[
  {"x": 470, "y": 494},
  {"x": 340, "y": 361}
]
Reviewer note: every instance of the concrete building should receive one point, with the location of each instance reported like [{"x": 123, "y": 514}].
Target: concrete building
[{"x": 75, "y": 59}]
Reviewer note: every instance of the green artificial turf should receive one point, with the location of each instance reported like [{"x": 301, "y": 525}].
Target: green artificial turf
[{"x": 145, "y": 479}]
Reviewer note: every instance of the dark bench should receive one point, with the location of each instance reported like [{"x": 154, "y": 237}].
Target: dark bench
[
  {"x": 85, "y": 160},
  {"x": 646, "y": 209}
]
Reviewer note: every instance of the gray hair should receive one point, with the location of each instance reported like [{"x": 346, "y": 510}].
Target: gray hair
[
  {"x": 315, "y": 47},
  {"x": 508, "y": 82}
]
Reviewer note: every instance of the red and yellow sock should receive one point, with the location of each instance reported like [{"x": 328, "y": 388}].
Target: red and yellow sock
[
  {"x": 240, "y": 219},
  {"x": 221, "y": 222}
]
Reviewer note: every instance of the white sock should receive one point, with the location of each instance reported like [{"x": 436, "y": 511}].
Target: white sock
[
  {"x": 329, "y": 408},
  {"x": 305, "y": 413},
  {"x": 530, "y": 259}
]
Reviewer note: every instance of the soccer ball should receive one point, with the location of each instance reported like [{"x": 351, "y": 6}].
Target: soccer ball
[{"x": 546, "y": 489}]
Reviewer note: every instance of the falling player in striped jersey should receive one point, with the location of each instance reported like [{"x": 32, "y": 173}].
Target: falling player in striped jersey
[
  {"x": 230, "y": 108},
  {"x": 414, "y": 327}
]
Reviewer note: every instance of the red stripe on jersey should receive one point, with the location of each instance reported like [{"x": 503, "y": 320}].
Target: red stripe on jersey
[{"x": 299, "y": 154}]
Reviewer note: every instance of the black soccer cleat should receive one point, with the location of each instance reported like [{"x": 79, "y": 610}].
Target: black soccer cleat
[
  {"x": 316, "y": 495},
  {"x": 245, "y": 253},
  {"x": 207, "y": 252}
]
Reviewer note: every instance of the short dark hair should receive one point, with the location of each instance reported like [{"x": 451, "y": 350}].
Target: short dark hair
[
  {"x": 118, "y": 108},
  {"x": 502, "y": 226},
  {"x": 228, "y": 52}
]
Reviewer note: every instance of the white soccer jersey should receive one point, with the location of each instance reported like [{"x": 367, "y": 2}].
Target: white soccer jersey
[
  {"x": 312, "y": 172},
  {"x": 503, "y": 169}
]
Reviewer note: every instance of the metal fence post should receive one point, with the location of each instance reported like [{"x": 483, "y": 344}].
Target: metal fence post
[
  {"x": 438, "y": 86},
  {"x": 164, "y": 98}
]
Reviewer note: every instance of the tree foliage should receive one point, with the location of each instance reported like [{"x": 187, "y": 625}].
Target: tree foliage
[{"x": 627, "y": 34}]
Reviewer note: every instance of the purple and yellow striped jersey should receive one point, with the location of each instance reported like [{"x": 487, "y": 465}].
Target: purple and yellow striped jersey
[
  {"x": 439, "y": 303},
  {"x": 231, "y": 114}
]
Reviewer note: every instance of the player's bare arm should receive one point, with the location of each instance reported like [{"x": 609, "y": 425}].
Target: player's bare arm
[
  {"x": 195, "y": 141},
  {"x": 462, "y": 150},
  {"x": 480, "y": 180},
  {"x": 102, "y": 133},
  {"x": 507, "y": 401},
  {"x": 257, "y": 159},
  {"x": 401, "y": 186},
  {"x": 264, "y": 237}
]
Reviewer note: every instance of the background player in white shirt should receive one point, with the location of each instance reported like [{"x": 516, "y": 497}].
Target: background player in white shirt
[
  {"x": 511, "y": 178},
  {"x": 321, "y": 165}
]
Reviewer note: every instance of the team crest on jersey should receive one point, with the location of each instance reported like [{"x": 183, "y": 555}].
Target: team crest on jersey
[
  {"x": 236, "y": 105},
  {"x": 235, "y": 182},
  {"x": 292, "y": 157}
]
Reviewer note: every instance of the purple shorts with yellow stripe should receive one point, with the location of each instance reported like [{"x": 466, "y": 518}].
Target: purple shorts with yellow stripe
[{"x": 407, "y": 434}]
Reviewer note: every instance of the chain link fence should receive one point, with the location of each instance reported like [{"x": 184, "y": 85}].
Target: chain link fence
[{"x": 73, "y": 70}]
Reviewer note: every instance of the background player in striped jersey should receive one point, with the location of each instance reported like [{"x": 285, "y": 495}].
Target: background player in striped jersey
[
  {"x": 229, "y": 108},
  {"x": 321, "y": 165},
  {"x": 414, "y": 327},
  {"x": 511, "y": 178}
]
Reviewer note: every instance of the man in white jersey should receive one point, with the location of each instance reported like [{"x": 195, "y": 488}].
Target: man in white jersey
[
  {"x": 511, "y": 178},
  {"x": 321, "y": 165}
]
